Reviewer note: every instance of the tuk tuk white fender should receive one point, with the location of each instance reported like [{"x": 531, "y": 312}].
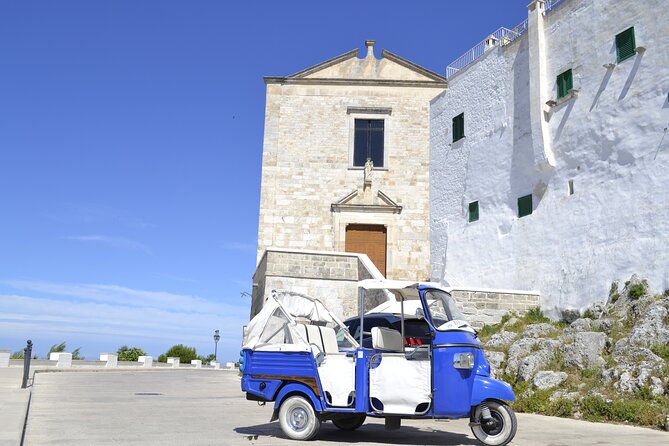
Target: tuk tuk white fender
[
  {"x": 486, "y": 388},
  {"x": 300, "y": 389}
]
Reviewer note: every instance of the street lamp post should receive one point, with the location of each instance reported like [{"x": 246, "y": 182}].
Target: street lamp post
[{"x": 217, "y": 337}]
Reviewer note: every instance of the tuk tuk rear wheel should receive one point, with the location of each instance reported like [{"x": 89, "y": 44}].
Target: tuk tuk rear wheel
[
  {"x": 349, "y": 422},
  {"x": 298, "y": 419},
  {"x": 502, "y": 429}
]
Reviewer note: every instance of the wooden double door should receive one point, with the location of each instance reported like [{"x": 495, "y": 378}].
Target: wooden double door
[{"x": 368, "y": 239}]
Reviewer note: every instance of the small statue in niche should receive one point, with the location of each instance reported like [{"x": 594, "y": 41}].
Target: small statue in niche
[{"x": 369, "y": 168}]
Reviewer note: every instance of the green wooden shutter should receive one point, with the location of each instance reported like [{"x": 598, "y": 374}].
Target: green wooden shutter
[
  {"x": 458, "y": 127},
  {"x": 625, "y": 44},
  {"x": 525, "y": 205},
  {"x": 564, "y": 83},
  {"x": 473, "y": 211}
]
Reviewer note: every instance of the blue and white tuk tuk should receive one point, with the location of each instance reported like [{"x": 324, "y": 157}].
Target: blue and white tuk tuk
[{"x": 300, "y": 355}]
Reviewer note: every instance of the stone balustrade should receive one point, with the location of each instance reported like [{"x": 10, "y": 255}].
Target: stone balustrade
[
  {"x": 111, "y": 359},
  {"x": 4, "y": 358},
  {"x": 64, "y": 359},
  {"x": 197, "y": 363},
  {"x": 174, "y": 361},
  {"x": 146, "y": 360}
]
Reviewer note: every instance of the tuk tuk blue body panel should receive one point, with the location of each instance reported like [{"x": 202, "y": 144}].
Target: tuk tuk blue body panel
[
  {"x": 279, "y": 363},
  {"x": 362, "y": 380},
  {"x": 298, "y": 388},
  {"x": 486, "y": 388},
  {"x": 451, "y": 386}
]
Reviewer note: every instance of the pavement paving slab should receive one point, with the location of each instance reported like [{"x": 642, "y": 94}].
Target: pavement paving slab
[
  {"x": 13, "y": 406},
  {"x": 207, "y": 407}
]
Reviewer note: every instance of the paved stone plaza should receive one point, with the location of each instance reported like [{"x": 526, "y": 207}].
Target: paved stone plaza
[{"x": 201, "y": 407}]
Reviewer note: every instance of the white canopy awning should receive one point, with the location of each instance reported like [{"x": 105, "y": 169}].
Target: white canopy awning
[{"x": 384, "y": 284}]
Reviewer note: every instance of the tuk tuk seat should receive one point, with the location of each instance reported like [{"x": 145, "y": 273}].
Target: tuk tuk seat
[
  {"x": 324, "y": 338},
  {"x": 387, "y": 339}
]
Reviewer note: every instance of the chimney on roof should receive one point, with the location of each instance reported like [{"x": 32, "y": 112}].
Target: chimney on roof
[{"x": 370, "y": 48}]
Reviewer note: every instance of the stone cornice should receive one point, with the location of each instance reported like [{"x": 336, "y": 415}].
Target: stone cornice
[{"x": 364, "y": 82}]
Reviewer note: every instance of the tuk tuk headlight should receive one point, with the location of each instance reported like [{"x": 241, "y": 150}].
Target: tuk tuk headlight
[{"x": 463, "y": 360}]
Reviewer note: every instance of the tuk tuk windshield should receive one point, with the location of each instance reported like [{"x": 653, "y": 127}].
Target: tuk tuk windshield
[{"x": 442, "y": 308}]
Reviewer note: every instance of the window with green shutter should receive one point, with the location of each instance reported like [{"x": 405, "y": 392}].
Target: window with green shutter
[
  {"x": 625, "y": 44},
  {"x": 525, "y": 205},
  {"x": 564, "y": 83},
  {"x": 473, "y": 211},
  {"x": 459, "y": 127}
]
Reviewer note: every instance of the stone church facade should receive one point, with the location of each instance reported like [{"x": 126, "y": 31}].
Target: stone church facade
[{"x": 345, "y": 161}]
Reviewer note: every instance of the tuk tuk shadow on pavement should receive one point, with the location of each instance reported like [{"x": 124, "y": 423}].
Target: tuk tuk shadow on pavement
[{"x": 369, "y": 434}]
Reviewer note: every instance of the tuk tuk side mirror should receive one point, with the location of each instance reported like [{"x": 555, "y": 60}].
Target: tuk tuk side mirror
[{"x": 420, "y": 313}]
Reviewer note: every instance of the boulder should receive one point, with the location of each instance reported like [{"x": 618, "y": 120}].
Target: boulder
[
  {"x": 547, "y": 379},
  {"x": 650, "y": 327},
  {"x": 569, "y": 315},
  {"x": 561, "y": 394},
  {"x": 511, "y": 321},
  {"x": 538, "y": 330},
  {"x": 586, "y": 350},
  {"x": 540, "y": 355},
  {"x": 495, "y": 359},
  {"x": 656, "y": 386},
  {"x": 501, "y": 340},
  {"x": 597, "y": 309},
  {"x": 604, "y": 325},
  {"x": 581, "y": 324}
]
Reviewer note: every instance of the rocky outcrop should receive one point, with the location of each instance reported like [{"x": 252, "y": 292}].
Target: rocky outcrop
[
  {"x": 585, "y": 352},
  {"x": 547, "y": 379},
  {"x": 618, "y": 347}
]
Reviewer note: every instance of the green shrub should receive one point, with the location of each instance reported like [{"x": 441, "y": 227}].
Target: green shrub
[
  {"x": 535, "y": 316},
  {"x": 661, "y": 350},
  {"x": 206, "y": 359},
  {"x": 589, "y": 373},
  {"x": 183, "y": 352},
  {"x": 18, "y": 355},
  {"x": 614, "y": 295},
  {"x": 589, "y": 314},
  {"x": 126, "y": 353},
  {"x": 637, "y": 411},
  {"x": 58, "y": 348},
  {"x": 637, "y": 290},
  {"x": 539, "y": 402}
]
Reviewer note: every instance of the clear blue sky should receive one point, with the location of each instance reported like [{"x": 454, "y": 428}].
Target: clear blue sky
[{"x": 130, "y": 149}]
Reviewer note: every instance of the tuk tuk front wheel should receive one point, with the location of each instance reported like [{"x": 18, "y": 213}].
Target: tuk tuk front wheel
[
  {"x": 349, "y": 422},
  {"x": 500, "y": 429},
  {"x": 298, "y": 419}
]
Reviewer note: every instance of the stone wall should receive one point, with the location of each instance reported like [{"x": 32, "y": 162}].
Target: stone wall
[
  {"x": 484, "y": 307},
  {"x": 330, "y": 276}
]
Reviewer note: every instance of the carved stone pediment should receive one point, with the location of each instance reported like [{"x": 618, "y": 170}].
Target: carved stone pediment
[{"x": 367, "y": 201}]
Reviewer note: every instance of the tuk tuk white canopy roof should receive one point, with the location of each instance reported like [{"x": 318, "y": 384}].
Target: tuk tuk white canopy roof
[
  {"x": 293, "y": 306},
  {"x": 401, "y": 289}
]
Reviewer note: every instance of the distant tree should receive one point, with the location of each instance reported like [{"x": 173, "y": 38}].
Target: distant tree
[
  {"x": 18, "y": 355},
  {"x": 57, "y": 348},
  {"x": 183, "y": 352},
  {"x": 126, "y": 353},
  {"x": 206, "y": 359}
]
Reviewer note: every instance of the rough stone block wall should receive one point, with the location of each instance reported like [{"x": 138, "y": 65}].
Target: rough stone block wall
[
  {"x": 487, "y": 307},
  {"x": 330, "y": 277}
]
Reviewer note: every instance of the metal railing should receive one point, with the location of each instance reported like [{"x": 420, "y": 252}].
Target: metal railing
[
  {"x": 503, "y": 35},
  {"x": 550, "y": 4}
]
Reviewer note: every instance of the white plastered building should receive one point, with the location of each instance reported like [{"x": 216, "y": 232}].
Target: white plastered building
[{"x": 587, "y": 145}]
